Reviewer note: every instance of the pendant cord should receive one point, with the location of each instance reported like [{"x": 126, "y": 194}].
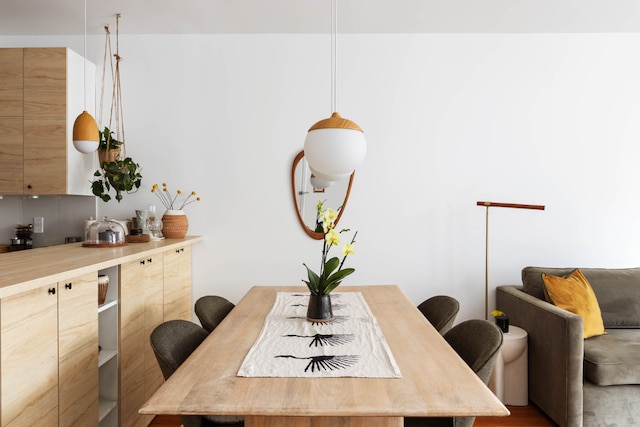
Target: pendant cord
[
  {"x": 84, "y": 54},
  {"x": 116, "y": 116},
  {"x": 117, "y": 92},
  {"x": 334, "y": 48},
  {"x": 107, "y": 55}
]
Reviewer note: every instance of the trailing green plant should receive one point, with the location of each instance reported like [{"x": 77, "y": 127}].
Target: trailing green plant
[
  {"x": 123, "y": 176},
  {"x": 108, "y": 140}
]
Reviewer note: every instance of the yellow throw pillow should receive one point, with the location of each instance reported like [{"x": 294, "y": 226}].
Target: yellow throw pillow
[{"x": 574, "y": 293}]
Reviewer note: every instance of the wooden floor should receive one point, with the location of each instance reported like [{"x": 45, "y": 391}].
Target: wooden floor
[{"x": 521, "y": 416}]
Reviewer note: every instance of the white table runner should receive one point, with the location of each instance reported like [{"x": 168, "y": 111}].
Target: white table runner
[{"x": 350, "y": 345}]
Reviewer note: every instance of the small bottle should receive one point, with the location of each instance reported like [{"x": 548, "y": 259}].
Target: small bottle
[{"x": 87, "y": 223}]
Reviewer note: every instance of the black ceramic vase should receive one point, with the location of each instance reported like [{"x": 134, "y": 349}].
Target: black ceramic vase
[
  {"x": 319, "y": 309},
  {"x": 503, "y": 323}
]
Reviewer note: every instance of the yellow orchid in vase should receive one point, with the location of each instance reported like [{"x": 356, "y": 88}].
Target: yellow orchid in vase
[{"x": 331, "y": 270}]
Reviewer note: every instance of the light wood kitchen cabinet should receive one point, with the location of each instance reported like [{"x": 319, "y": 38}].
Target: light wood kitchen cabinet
[
  {"x": 141, "y": 310},
  {"x": 177, "y": 284},
  {"x": 39, "y": 101},
  {"x": 51, "y": 372},
  {"x": 78, "y": 350},
  {"x": 29, "y": 358},
  {"x": 11, "y": 120},
  {"x": 11, "y": 155},
  {"x": 49, "y": 358},
  {"x": 11, "y": 82}
]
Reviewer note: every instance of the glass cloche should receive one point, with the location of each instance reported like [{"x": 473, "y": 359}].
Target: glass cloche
[{"x": 105, "y": 233}]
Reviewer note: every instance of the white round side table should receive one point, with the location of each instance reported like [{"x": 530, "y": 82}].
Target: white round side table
[{"x": 509, "y": 380}]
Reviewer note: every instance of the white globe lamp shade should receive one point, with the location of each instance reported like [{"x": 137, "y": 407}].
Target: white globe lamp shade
[
  {"x": 86, "y": 137},
  {"x": 320, "y": 183},
  {"x": 334, "y": 148}
]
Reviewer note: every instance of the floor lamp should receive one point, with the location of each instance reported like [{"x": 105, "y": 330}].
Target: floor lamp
[{"x": 486, "y": 249}]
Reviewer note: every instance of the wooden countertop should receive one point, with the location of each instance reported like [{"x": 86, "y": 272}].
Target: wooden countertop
[{"x": 29, "y": 269}]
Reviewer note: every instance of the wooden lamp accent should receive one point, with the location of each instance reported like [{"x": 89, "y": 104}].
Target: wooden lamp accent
[
  {"x": 486, "y": 256},
  {"x": 336, "y": 121}
]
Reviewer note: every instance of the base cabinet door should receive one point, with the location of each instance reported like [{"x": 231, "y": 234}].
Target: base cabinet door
[
  {"x": 177, "y": 284},
  {"x": 49, "y": 360},
  {"x": 141, "y": 301},
  {"x": 29, "y": 359},
  {"x": 78, "y": 350}
]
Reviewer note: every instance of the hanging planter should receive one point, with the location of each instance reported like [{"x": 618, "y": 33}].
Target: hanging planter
[
  {"x": 117, "y": 172},
  {"x": 123, "y": 176},
  {"x": 109, "y": 148}
]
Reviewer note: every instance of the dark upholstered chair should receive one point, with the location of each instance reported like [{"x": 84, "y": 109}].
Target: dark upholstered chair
[
  {"x": 440, "y": 311},
  {"x": 173, "y": 342},
  {"x": 211, "y": 310},
  {"x": 477, "y": 342}
]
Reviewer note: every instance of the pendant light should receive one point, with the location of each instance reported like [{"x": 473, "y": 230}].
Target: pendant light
[
  {"x": 334, "y": 147},
  {"x": 85, "y": 129},
  {"x": 319, "y": 184}
]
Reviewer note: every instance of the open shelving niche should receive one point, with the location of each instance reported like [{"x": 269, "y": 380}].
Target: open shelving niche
[{"x": 108, "y": 355}]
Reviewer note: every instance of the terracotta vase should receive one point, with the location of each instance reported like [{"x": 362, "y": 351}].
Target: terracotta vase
[
  {"x": 174, "y": 224},
  {"x": 319, "y": 309}
]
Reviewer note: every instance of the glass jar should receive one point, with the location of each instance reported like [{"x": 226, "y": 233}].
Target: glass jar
[{"x": 105, "y": 233}]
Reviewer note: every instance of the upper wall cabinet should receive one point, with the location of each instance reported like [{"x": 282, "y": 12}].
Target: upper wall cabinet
[{"x": 41, "y": 94}]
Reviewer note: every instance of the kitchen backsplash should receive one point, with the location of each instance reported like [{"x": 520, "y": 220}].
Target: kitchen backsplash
[{"x": 63, "y": 216}]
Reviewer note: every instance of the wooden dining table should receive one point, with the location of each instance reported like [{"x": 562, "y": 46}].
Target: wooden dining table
[{"x": 435, "y": 381}]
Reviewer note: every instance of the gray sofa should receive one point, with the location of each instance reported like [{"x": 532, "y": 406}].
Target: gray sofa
[{"x": 578, "y": 382}]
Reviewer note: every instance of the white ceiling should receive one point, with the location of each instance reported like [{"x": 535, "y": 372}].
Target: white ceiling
[{"x": 65, "y": 17}]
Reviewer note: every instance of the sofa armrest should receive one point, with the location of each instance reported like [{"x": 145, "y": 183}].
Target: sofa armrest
[{"x": 556, "y": 353}]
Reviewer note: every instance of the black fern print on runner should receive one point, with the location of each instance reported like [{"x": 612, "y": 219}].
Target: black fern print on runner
[
  {"x": 335, "y": 307},
  {"x": 334, "y": 321},
  {"x": 327, "y": 363},
  {"x": 324, "y": 340}
]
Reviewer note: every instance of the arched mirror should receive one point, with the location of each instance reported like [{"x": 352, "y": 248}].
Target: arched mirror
[{"x": 306, "y": 197}]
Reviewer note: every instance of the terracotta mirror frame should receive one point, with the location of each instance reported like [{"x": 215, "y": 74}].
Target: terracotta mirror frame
[{"x": 294, "y": 191}]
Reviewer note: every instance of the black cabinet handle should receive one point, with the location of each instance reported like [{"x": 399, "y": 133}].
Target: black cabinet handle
[
  {"x": 142, "y": 262},
  {"x": 150, "y": 260},
  {"x": 52, "y": 291},
  {"x": 29, "y": 186},
  {"x": 68, "y": 285}
]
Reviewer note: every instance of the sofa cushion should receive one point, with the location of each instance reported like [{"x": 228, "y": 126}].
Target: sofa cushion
[
  {"x": 614, "y": 358},
  {"x": 574, "y": 293},
  {"x": 617, "y": 291}
]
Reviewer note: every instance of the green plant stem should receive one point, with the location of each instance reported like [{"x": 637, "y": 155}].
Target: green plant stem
[{"x": 353, "y": 240}]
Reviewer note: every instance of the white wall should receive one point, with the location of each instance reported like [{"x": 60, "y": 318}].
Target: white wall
[{"x": 450, "y": 119}]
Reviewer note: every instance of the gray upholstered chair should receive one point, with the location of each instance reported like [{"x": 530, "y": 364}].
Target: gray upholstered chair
[
  {"x": 440, "y": 311},
  {"x": 477, "y": 342},
  {"x": 211, "y": 310},
  {"x": 173, "y": 342}
]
